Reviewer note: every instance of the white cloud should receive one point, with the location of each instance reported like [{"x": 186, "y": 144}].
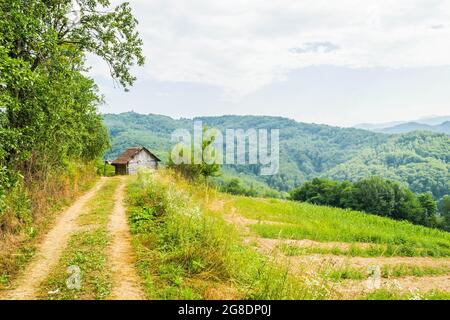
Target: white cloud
[{"x": 241, "y": 46}]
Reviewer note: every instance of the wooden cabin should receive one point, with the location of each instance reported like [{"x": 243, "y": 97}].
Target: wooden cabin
[{"x": 134, "y": 159}]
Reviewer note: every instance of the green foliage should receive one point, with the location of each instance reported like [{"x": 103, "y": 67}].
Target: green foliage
[
  {"x": 16, "y": 213},
  {"x": 372, "y": 195},
  {"x": 324, "y": 192},
  {"x": 189, "y": 168},
  {"x": 444, "y": 206},
  {"x": 40, "y": 32},
  {"x": 142, "y": 219},
  {"x": 418, "y": 160},
  {"x": 104, "y": 169},
  {"x": 444, "y": 209},
  {"x": 235, "y": 186},
  {"x": 428, "y": 205},
  {"x": 245, "y": 185},
  {"x": 48, "y": 106}
]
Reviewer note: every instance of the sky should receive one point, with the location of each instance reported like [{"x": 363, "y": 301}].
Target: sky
[{"x": 323, "y": 61}]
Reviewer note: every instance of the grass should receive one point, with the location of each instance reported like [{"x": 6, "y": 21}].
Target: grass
[
  {"x": 403, "y": 270},
  {"x": 186, "y": 251},
  {"x": 87, "y": 250},
  {"x": 305, "y": 221},
  {"x": 354, "y": 250},
  {"x": 387, "y": 271},
  {"x": 386, "y": 294}
]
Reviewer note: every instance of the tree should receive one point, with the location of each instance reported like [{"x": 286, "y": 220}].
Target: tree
[
  {"x": 444, "y": 210},
  {"x": 48, "y": 106},
  {"x": 185, "y": 163},
  {"x": 235, "y": 186},
  {"x": 345, "y": 194},
  {"x": 407, "y": 206},
  {"x": 444, "y": 206},
  {"x": 428, "y": 204},
  {"x": 40, "y": 31},
  {"x": 374, "y": 195},
  {"x": 318, "y": 191}
]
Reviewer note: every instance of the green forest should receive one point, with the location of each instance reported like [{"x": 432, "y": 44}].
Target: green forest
[{"x": 419, "y": 160}]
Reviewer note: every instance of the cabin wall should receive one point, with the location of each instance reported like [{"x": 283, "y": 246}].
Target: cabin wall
[{"x": 142, "y": 160}]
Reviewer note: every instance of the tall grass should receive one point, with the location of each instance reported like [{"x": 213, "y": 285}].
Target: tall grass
[
  {"x": 187, "y": 252},
  {"x": 320, "y": 223}
]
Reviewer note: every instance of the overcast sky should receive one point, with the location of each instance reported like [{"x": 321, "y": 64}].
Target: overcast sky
[{"x": 336, "y": 62}]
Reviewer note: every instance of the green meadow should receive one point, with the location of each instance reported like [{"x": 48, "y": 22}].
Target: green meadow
[{"x": 298, "y": 221}]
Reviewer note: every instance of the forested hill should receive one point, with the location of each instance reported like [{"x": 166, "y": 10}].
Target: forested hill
[{"x": 419, "y": 159}]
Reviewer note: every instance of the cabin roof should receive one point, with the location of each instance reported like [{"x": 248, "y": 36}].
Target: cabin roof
[{"x": 130, "y": 153}]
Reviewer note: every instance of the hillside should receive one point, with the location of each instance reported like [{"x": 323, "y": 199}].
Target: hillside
[{"x": 420, "y": 160}]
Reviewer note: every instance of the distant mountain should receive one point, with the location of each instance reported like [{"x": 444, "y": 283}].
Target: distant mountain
[
  {"x": 415, "y": 126},
  {"x": 433, "y": 121},
  {"x": 377, "y": 126},
  {"x": 445, "y": 127},
  {"x": 419, "y": 160},
  {"x": 432, "y": 124}
]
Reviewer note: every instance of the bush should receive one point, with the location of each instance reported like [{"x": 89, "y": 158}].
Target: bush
[
  {"x": 236, "y": 187},
  {"x": 104, "y": 169},
  {"x": 16, "y": 212}
]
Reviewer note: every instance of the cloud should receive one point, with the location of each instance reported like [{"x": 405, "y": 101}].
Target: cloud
[
  {"x": 317, "y": 47},
  {"x": 242, "y": 46}
]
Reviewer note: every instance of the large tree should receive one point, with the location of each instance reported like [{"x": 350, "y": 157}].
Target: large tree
[
  {"x": 37, "y": 31},
  {"x": 48, "y": 104},
  {"x": 46, "y": 100}
]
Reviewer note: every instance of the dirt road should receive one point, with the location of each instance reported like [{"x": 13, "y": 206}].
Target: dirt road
[
  {"x": 125, "y": 278},
  {"x": 50, "y": 250}
]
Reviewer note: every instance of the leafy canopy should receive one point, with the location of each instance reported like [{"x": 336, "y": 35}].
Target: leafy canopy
[{"x": 48, "y": 105}]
